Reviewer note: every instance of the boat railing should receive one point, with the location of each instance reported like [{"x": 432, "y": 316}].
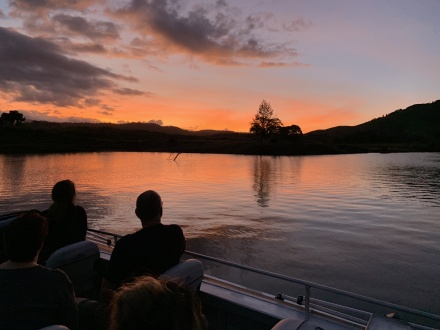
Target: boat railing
[{"x": 307, "y": 302}]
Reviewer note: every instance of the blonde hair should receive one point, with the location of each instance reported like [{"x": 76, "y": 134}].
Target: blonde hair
[{"x": 149, "y": 303}]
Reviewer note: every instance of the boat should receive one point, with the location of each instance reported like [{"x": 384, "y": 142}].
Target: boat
[{"x": 228, "y": 305}]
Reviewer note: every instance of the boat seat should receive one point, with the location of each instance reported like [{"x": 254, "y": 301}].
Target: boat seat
[
  {"x": 189, "y": 272},
  {"x": 288, "y": 324},
  {"x": 377, "y": 322},
  {"x": 78, "y": 262},
  {"x": 55, "y": 327}
]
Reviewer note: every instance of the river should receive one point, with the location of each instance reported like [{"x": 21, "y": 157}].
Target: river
[{"x": 366, "y": 223}]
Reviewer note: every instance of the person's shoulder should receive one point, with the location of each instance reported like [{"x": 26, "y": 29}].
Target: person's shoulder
[
  {"x": 52, "y": 275},
  {"x": 126, "y": 239},
  {"x": 56, "y": 273},
  {"x": 173, "y": 229},
  {"x": 80, "y": 209}
]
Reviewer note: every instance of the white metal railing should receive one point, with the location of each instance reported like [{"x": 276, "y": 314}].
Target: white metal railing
[{"x": 309, "y": 302}]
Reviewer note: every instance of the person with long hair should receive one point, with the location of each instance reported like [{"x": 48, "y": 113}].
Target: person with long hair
[
  {"x": 67, "y": 221},
  {"x": 149, "y": 303}
]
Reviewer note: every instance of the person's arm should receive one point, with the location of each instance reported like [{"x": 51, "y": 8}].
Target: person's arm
[
  {"x": 67, "y": 309},
  {"x": 82, "y": 222},
  {"x": 181, "y": 239},
  {"x": 114, "y": 273}
]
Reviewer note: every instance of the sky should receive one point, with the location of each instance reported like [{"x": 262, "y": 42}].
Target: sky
[{"x": 209, "y": 64}]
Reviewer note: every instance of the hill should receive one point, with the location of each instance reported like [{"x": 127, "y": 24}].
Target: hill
[{"x": 416, "y": 128}]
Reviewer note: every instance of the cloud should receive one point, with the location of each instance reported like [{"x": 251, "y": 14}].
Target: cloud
[
  {"x": 130, "y": 92},
  {"x": 212, "y": 31},
  {"x": 157, "y": 122},
  {"x": 216, "y": 32},
  {"x": 36, "y": 70},
  {"x": 284, "y": 64},
  {"x": 79, "y": 26},
  {"x": 32, "y": 115},
  {"x": 43, "y": 6},
  {"x": 105, "y": 113}
]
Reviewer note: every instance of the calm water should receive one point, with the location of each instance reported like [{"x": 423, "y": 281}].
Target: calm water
[{"x": 363, "y": 223}]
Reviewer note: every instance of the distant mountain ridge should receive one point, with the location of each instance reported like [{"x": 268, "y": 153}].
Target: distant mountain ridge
[
  {"x": 417, "y": 124},
  {"x": 414, "y": 129}
]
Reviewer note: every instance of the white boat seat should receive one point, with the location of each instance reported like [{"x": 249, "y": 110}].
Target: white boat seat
[
  {"x": 288, "y": 324},
  {"x": 189, "y": 272},
  {"x": 78, "y": 262},
  {"x": 55, "y": 327},
  {"x": 386, "y": 323}
]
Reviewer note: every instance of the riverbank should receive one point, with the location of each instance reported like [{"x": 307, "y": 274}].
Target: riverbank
[{"x": 34, "y": 138}]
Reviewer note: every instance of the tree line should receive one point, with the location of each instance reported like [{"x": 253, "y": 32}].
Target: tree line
[
  {"x": 12, "y": 117},
  {"x": 265, "y": 123}
]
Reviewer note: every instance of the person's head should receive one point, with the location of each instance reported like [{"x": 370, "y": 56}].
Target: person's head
[
  {"x": 64, "y": 192},
  {"x": 149, "y": 206},
  {"x": 148, "y": 303},
  {"x": 25, "y": 236}
]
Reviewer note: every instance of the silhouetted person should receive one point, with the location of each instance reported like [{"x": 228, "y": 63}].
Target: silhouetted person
[
  {"x": 150, "y": 251},
  {"x": 67, "y": 221},
  {"x": 31, "y": 296},
  {"x": 148, "y": 303}
]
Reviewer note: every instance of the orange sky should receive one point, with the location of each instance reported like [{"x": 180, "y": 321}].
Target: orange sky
[{"x": 209, "y": 64}]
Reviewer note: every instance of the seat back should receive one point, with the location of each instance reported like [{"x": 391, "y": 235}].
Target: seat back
[
  {"x": 78, "y": 262},
  {"x": 189, "y": 272},
  {"x": 290, "y": 324}
]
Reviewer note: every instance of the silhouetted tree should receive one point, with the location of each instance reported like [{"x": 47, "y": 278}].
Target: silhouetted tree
[
  {"x": 13, "y": 117},
  {"x": 264, "y": 122}
]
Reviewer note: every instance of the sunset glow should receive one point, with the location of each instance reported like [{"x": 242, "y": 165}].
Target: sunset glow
[{"x": 209, "y": 64}]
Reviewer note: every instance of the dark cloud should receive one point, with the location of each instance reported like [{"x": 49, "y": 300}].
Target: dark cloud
[
  {"x": 216, "y": 32},
  {"x": 79, "y": 26},
  {"x": 35, "y": 70},
  {"x": 211, "y": 30},
  {"x": 85, "y": 48},
  {"x": 47, "y": 5},
  {"x": 107, "y": 108},
  {"x": 105, "y": 113},
  {"x": 157, "y": 122},
  {"x": 129, "y": 91},
  {"x": 32, "y": 115},
  {"x": 91, "y": 102}
]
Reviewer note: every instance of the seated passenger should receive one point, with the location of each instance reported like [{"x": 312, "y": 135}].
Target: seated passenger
[
  {"x": 67, "y": 221},
  {"x": 150, "y": 251},
  {"x": 148, "y": 303},
  {"x": 31, "y": 296}
]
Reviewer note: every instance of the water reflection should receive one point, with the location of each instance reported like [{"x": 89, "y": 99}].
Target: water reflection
[
  {"x": 12, "y": 172},
  {"x": 262, "y": 177}
]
